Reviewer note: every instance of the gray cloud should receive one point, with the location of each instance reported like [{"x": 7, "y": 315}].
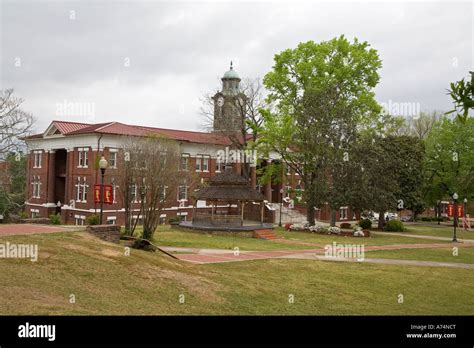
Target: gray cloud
[{"x": 177, "y": 51}]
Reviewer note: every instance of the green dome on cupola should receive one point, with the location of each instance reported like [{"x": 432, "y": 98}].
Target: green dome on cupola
[{"x": 231, "y": 74}]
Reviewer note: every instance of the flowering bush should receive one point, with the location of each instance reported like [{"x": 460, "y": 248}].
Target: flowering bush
[
  {"x": 287, "y": 227},
  {"x": 317, "y": 228},
  {"x": 299, "y": 227},
  {"x": 334, "y": 230}
]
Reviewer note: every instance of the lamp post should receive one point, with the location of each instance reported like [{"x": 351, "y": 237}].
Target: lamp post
[
  {"x": 102, "y": 166},
  {"x": 281, "y": 205},
  {"x": 455, "y": 199}
]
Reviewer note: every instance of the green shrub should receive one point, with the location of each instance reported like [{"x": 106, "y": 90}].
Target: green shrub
[
  {"x": 23, "y": 215},
  {"x": 55, "y": 219},
  {"x": 93, "y": 219},
  {"x": 366, "y": 224},
  {"x": 394, "y": 226}
]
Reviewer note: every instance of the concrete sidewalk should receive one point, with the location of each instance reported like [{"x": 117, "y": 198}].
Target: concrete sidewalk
[
  {"x": 25, "y": 229},
  {"x": 205, "y": 256}
]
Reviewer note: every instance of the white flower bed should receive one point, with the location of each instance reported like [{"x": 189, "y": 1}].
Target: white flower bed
[
  {"x": 358, "y": 232},
  {"x": 334, "y": 230}
]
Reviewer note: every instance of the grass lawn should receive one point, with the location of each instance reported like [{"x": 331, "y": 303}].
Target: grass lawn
[
  {"x": 167, "y": 236},
  {"x": 432, "y": 229},
  {"x": 464, "y": 255},
  {"x": 105, "y": 281}
]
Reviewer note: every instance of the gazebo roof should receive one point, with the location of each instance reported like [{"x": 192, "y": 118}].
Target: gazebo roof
[{"x": 231, "y": 186}]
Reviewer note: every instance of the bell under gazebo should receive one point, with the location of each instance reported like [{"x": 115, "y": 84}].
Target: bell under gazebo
[{"x": 231, "y": 205}]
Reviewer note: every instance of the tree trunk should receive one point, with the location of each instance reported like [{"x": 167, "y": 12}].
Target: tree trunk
[
  {"x": 438, "y": 212},
  {"x": 310, "y": 214},
  {"x": 333, "y": 217},
  {"x": 381, "y": 224}
]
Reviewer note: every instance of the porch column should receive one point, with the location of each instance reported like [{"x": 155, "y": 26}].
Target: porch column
[
  {"x": 51, "y": 177},
  {"x": 253, "y": 177},
  {"x": 69, "y": 182},
  {"x": 242, "y": 206},
  {"x": 238, "y": 168}
]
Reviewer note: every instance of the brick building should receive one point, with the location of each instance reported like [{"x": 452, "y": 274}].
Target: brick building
[{"x": 62, "y": 169}]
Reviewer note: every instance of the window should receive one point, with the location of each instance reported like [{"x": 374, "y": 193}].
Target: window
[
  {"x": 133, "y": 193},
  {"x": 80, "y": 220},
  {"x": 113, "y": 154},
  {"x": 218, "y": 165},
  {"x": 198, "y": 163},
  {"x": 287, "y": 190},
  {"x": 184, "y": 162},
  {"x": 202, "y": 163},
  {"x": 83, "y": 157},
  {"x": 183, "y": 191},
  {"x": 343, "y": 213},
  {"x": 81, "y": 189},
  {"x": 36, "y": 183},
  {"x": 288, "y": 170},
  {"x": 205, "y": 163},
  {"x": 111, "y": 220},
  {"x": 37, "y": 156},
  {"x": 35, "y": 213},
  {"x": 163, "y": 193}
]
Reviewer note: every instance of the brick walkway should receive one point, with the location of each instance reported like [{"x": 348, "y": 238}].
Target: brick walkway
[
  {"x": 204, "y": 256},
  {"x": 21, "y": 229}
]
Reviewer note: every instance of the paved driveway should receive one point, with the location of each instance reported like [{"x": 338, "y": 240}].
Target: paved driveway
[{"x": 21, "y": 229}]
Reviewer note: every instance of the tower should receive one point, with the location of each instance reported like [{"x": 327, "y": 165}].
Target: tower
[{"x": 229, "y": 104}]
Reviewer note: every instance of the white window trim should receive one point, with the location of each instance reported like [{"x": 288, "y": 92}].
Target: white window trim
[
  {"x": 113, "y": 152},
  {"x": 37, "y": 158},
  {"x": 85, "y": 160},
  {"x": 187, "y": 156},
  {"x": 207, "y": 158},
  {"x": 346, "y": 213},
  {"x": 36, "y": 186},
  {"x": 199, "y": 161},
  {"x": 81, "y": 189}
]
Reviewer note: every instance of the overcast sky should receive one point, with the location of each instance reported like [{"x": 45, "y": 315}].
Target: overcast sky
[{"x": 149, "y": 63}]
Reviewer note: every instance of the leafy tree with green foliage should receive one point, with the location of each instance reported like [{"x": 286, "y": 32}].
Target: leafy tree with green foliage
[
  {"x": 462, "y": 94},
  {"x": 323, "y": 93},
  {"x": 392, "y": 174},
  {"x": 12, "y": 196},
  {"x": 449, "y": 160}
]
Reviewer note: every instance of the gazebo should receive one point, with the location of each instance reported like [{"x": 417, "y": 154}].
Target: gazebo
[{"x": 234, "y": 204}]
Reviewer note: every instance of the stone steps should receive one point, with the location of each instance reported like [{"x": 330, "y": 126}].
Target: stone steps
[{"x": 265, "y": 234}]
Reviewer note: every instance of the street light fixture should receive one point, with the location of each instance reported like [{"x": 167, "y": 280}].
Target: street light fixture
[
  {"x": 102, "y": 165},
  {"x": 455, "y": 199}
]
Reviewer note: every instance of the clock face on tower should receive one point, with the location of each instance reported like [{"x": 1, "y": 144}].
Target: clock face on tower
[{"x": 220, "y": 101}]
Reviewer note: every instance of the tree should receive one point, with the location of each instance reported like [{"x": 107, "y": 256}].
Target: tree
[
  {"x": 248, "y": 107},
  {"x": 462, "y": 94},
  {"x": 449, "y": 160},
  {"x": 390, "y": 172},
  {"x": 151, "y": 172},
  {"x": 419, "y": 126},
  {"x": 323, "y": 92},
  {"x": 13, "y": 184},
  {"x": 14, "y": 123}
]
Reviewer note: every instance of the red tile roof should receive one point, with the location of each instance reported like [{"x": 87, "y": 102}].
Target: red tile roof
[
  {"x": 66, "y": 127},
  {"x": 117, "y": 128}
]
